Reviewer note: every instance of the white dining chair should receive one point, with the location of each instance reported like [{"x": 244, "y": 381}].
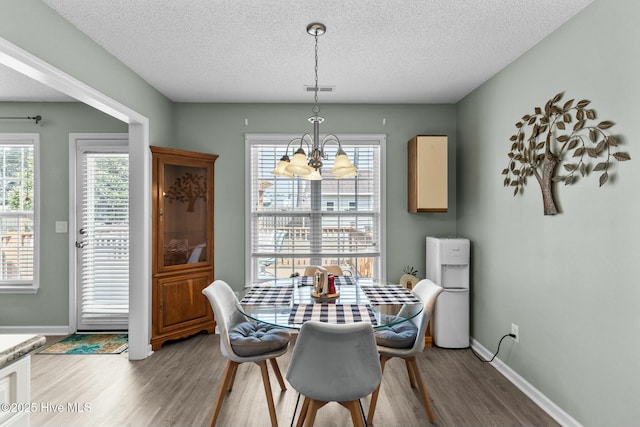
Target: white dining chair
[
  {"x": 334, "y": 363},
  {"x": 394, "y": 342},
  {"x": 243, "y": 341},
  {"x": 336, "y": 270}
]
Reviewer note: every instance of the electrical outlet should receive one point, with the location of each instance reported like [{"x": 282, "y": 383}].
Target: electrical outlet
[{"x": 515, "y": 331}]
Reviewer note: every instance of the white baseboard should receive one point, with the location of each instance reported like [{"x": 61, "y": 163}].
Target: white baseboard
[
  {"x": 38, "y": 330},
  {"x": 533, "y": 393}
]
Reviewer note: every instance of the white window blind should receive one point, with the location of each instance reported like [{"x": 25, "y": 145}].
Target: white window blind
[
  {"x": 18, "y": 219},
  {"x": 105, "y": 256},
  {"x": 294, "y": 223}
]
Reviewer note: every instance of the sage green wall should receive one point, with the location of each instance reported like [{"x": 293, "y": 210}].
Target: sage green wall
[
  {"x": 570, "y": 282},
  {"x": 36, "y": 28},
  {"x": 220, "y": 129},
  {"x": 50, "y": 305}
]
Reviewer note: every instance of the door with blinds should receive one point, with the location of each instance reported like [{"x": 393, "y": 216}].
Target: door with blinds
[{"x": 102, "y": 234}]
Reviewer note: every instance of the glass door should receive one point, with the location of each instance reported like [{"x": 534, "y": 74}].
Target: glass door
[
  {"x": 182, "y": 215},
  {"x": 102, "y": 235}
]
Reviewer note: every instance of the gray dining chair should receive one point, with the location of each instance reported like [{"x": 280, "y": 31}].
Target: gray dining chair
[
  {"x": 243, "y": 341},
  {"x": 406, "y": 341},
  {"x": 334, "y": 363}
]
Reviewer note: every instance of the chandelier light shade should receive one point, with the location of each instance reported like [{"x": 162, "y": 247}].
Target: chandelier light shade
[
  {"x": 313, "y": 176},
  {"x": 299, "y": 164},
  {"x": 307, "y": 166},
  {"x": 281, "y": 168}
]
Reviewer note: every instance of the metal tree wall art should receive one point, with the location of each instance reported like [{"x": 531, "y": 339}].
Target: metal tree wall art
[
  {"x": 187, "y": 188},
  {"x": 564, "y": 134}
]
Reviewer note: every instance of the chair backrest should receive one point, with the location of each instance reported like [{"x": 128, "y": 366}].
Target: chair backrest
[
  {"x": 336, "y": 270},
  {"x": 226, "y": 312},
  {"x": 427, "y": 292},
  {"x": 335, "y": 362},
  {"x": 311, "y": 270}
]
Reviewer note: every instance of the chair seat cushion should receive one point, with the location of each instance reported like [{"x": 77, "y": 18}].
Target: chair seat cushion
[
  {"x": 253, "y": 338},
  {"x": 401, "y": 335}
]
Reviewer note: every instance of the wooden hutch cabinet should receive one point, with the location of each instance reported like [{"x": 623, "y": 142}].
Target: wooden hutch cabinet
[{"x": 182, "y": 244}]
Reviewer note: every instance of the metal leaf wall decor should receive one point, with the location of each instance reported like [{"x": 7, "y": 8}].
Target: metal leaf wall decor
[
  {"x": 560, "y": 134},
  {"x": 187, "y": 188}
]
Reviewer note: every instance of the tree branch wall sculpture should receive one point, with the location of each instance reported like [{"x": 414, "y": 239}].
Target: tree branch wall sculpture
[
  {"x": 564, "y": 135},
  {"x": 187, "y": 188}
]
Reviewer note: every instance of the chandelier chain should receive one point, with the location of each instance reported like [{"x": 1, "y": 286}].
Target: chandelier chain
[{"x": 316, "y": 108}]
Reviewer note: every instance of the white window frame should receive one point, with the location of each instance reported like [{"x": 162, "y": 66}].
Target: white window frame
[
  {"x": 256, "y": 139},
  {"x": 28, "y": 286}
]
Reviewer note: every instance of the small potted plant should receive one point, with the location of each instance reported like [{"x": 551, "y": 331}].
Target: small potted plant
[{"x": 410, "y": 277}]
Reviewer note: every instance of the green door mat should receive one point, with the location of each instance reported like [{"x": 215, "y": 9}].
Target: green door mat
[{"x": 90, "y": 344}]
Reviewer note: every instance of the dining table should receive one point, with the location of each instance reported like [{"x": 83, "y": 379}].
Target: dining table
[{"x": 290, "y": 302}]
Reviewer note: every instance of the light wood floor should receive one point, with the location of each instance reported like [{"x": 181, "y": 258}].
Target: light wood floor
[{"x": 177, "y": 385}]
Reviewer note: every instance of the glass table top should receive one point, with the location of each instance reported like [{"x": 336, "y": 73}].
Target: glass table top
[{"x": 289, "y": 303}]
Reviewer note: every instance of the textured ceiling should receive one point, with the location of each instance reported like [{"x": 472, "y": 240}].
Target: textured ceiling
[
  {"x": 16, "y": 87},
  {"x": 394, "y": 51}
]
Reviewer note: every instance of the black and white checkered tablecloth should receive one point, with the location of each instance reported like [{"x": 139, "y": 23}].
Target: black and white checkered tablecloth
[
  {"x": 389, "y": 294},
  {"x": 332, "y": 313},
  {"x": 268, "y": 295},
  {"x": 338, "y": 280}
]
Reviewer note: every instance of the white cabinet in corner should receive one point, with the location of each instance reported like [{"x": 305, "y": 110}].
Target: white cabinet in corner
[
  {"x": 15, "y": 377},
  {"x": 15, "y": 393}
]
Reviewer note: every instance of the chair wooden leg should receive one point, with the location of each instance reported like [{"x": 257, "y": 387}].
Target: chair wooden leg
[
  {"x": 374, "y": 395},
  {"x": 310, "y": 416},
  {"x": 423, "y": 390},
  {"x": 411, "y": 374},
  {"x": 354, "y": 410},
  {"x": 276, "y": 369},
  {"x": 232, "y": 377},
  {"x": 303, "y": 412},
  {"x": 268, "y": 393},
  {"x": 226, "y": 379}
]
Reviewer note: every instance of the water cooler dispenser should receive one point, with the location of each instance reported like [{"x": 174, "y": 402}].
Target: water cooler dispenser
[{"x": 448, "y": 266}]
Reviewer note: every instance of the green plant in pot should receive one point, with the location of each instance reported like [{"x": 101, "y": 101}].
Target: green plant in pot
[{"x": 410, "y": 277}]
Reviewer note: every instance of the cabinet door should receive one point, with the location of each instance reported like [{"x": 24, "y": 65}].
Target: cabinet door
[
  {"x": 180, "y": 302},
  {"x": 185, "y": 214}
]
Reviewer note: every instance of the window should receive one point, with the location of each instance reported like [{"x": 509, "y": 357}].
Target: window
[
  {"x": 293, "y": 223},
  {"x": 19, "y": 213}
]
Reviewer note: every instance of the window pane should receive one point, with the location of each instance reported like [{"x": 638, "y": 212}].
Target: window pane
[
  {"x": 16, "y": 181},
  {"x": 17, "y": 199},
  {"x": 104, "y": 262},
  {"x": 17, "y": 248}
]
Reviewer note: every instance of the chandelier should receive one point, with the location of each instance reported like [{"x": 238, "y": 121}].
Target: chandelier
[{"x": 308, "y": 167}]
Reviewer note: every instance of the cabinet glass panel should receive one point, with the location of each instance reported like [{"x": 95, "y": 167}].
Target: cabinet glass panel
[{"x": 184, "y": 214}]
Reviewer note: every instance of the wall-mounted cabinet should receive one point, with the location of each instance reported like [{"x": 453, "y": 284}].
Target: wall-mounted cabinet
[
  {"x": 182, "y": 244},
  {"x": 428, "y": 183}
]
